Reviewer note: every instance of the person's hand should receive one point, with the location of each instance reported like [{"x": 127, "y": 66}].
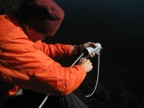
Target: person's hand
[
  {"x": 85, "y": 45},
  {"x": 86, "y": 63}
]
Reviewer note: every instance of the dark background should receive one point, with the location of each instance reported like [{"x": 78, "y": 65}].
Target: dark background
[{"x": 116, "y": 24}]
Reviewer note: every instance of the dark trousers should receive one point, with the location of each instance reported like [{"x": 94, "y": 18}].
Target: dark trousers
[
  {"x": 33, "y": 100},
  {"x": 69, "y": 101},
  {"x": 3, "y": 99}
]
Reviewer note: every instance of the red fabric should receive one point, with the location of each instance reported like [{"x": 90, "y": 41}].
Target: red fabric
[
  {"x": 30, "y": 65},
  {"x": 55, "y": 12},
  {"x": 13, "y": 90}
]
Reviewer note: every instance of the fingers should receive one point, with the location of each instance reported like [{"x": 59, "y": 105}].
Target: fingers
[
  {"x": 89, "y": 44},
  {"x": 92, "y": 44},
  {"x": 86, "y": 63},
  {"x": 93, "y": 55},
  {"x": 84, "y": 60}
]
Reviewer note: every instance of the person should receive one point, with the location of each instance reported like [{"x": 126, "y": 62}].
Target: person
[{"x": 27, "y": 62}]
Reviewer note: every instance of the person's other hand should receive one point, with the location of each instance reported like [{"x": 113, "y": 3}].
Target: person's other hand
[
  {"x": 88, "y": 44},
  {"x": 86, "y": 63}
]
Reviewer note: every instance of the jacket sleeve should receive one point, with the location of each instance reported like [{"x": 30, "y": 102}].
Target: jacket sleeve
[
  {"x": 29, "y": 68},
  {"x": 54, "y": 50},
  {"x": 24, "y": 65}
]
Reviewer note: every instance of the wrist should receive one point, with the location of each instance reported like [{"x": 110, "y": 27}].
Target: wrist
[{"x": 76, "y": 49}]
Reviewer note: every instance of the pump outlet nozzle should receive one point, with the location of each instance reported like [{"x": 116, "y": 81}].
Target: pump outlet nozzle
[{"x": 90, "y": 50}]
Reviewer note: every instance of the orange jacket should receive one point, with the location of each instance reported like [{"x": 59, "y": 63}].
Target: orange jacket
[{"x": 30, "y": 65}]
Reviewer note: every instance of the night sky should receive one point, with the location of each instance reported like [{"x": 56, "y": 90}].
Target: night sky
[{"x": 116, "y": 24}]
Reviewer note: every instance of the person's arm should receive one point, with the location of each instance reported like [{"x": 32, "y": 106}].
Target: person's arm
[
  {"x": 62, "y": 50},
  {"x": 57, "y": 50},
  {"x": 23, "y": 65}
]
